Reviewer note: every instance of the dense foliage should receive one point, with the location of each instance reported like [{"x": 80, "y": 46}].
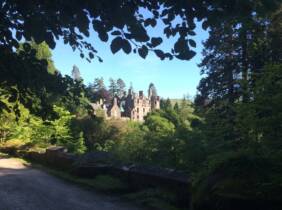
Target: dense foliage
[
  {"x": 239, "y": 99},
  {"x": 123, "y": 21},
  {"x": 37, "y": 103}
]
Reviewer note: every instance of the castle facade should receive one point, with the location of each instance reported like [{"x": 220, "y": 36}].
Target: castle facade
[{"x": 131, "y": 105}]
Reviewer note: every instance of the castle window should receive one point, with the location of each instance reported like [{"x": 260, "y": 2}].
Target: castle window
[
  {"x": 143, "y": 109},
  {"x": 137, "y": 110}
]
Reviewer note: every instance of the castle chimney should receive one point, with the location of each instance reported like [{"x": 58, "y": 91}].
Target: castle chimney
[{"x": 115, "y": 101}]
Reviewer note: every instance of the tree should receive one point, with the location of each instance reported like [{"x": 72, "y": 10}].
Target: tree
[
  {"x": 113, "y": 88},
  {"x": 123, "y": 20},
  {"x": 63, "y": 134},
  {"x": 98, "y": 84},
  {"x": 8, "y": 118},
  {"x": 167, "y": 104},
  {"x": 97, "y": 91},
  {"x": 73, "y": 96},
  {"x": 42, "y": 52},
  {"x": 222, "y": 63},
  {"x": 260, "y": 120},
  {"x": 238, "y": 101},
  {"x": 176, "y": 107},
  {"x": 159, "y": 126},
  {"x": 36, "y": 88},
  {"x": 76, "y": 73},
  {"x": 120, "y": 87},
  {"x": 234, "y": 57},
  {"x": 41, "y": 21},
  {"x": 26, "y": 76}
]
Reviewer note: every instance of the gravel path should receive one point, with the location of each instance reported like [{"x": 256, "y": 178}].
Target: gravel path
[{"x": 25, "y": 188}]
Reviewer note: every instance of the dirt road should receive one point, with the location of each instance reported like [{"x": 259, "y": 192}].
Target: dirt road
[{"x": 25, "y": 188}]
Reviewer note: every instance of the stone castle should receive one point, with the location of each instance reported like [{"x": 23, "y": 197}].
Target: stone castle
[{"x": 131, "y": 105}]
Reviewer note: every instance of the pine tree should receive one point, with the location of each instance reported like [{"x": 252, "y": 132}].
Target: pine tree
[
  {"x": 176, "y": 107},
  {"x": 167, "y": 104},
  {"x": 234, "y": 57},
  {"x": 120, "y": 87},
  {"x": 98, "y": 84},
  {"x": 113, "y": 89}
]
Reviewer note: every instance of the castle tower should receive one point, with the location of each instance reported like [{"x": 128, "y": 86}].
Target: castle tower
[
  {"x": 152, "y": 91},
  {"x": 153, "y": 97},
  {"x": 115, "y": 111}
]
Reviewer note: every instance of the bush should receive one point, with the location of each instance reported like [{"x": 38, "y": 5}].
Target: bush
[
  {"x": 29, "y": 129},
  {"x": 245, "y": 175}
]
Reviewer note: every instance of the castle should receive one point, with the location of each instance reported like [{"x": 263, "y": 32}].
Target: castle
[{"x": 131, "y": 105}]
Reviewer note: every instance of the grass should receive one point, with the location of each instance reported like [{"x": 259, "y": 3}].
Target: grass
[
  {"x": 3, "y": 155},
  {"x": 101, "y": 183},
  {"x": 154, "y": 199},
  {"x": 179, "y": 101}
]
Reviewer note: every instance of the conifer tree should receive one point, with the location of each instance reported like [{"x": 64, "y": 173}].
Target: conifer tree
[
  {"x": 176, "y": 107},
  {"x": 113, "y": 89},
  {"x": 120, "y": 87}
]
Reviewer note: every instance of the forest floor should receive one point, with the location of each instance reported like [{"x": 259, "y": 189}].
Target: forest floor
[{"x": 23, "y": 188}]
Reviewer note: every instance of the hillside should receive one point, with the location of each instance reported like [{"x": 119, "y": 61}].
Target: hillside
[{"x": 179, "y": 101}]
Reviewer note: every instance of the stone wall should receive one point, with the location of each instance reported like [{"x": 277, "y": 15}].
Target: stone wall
[{"x": 55, "y": 157}]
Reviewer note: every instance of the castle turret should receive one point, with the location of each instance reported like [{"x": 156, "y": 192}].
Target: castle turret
[
  {"x": 152, "y": 91},
  {"x": 115, "y": 111},
  {"x": 153, "y": 97}
]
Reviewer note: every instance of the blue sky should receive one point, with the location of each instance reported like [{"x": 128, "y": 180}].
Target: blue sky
[{"x": 172, "y": 78}]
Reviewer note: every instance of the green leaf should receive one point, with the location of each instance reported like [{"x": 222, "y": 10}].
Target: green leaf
[
  {"x": 91, "y": 55},
  {"x": 205, "y": 25},
  {"x": 160, "y": 54},
  {"x": 180, "y": 45},
  {"x": 143, "y": 51},
  {"x": 187, "y": 55},
  {"x": 100, "y": 59},
  {"x": 155, "y": 41},
  {"x": 164, "y": 12},
  {"x": 103, "y": 36},
  {"x": 116, "y": 44},
  {"x": 150, "y": 21},
  {"x": 116, "y": 33},
  {"x": 153, "y": 22},
  {"x": 50, "y": 40},
  {"x": 126, "y": 47},
  {"x": 26, "y": 47},
  {"x": 192, "y": 43},
  {"x": 191, "y": 33}
]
